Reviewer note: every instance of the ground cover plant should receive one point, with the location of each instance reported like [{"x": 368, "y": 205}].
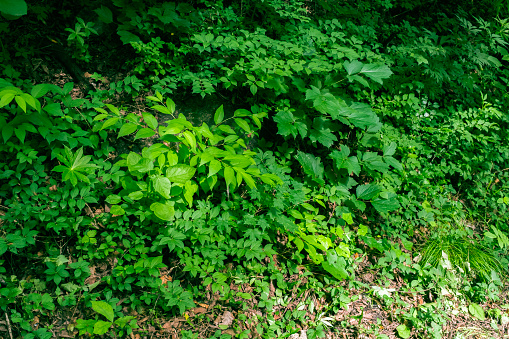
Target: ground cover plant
[{"x": 254, "y": 169}]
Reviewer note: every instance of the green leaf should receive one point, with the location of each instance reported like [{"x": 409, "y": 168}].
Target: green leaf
[
  {"x": 219, "y": 115},
  {"x": 162, "y": 185},
  {"x": 214, "y": 167},
  {"x": 150, "y": 120},
  {"x": 15, "y": 8},
  {"x": 341, "y": 160},
  {"x": 21, "y": 103},
  {"x": 403, "y": 331},
  {"x": 40, "y": 90},
  {"x": 288, "y": 124},
  {"x": 117, "y": 210},
  {"x": 180, "y": 173},
  {"x": 243, "y": 124},
  {"x": 163, "y": 211},
  {"x": 104, "y": 309},
  {"x": 229, "y": 177},
  {"x": 101, "y": 327},
  {"x": 144, "y": 133},
  {"x": 376, "y": 72},
  {"x": 109, "y": 122},
  {"x": 128, "y": 37},
  {"x": 386, "y": 205},
  {"x": 191, "y": 140},
  {"x": 390, "y": 149},
  {"x": 335, "y": 265},
  {"x": 105, "y": 14},
  {"x": 393, "y": 162},
  {"x": 476, "y": 311},
  {"x": 367, "y": 192},
  {"x": 311, "y": 166},
  {"x": 127, "y": 129},
  {"x": 322, "y": 133}
]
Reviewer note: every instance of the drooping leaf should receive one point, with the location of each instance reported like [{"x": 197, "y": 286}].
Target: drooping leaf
[
  {"x": 311, "y": 165},
  {"x": 219, "y": 115},
  {"x": 476, "y": 311}
]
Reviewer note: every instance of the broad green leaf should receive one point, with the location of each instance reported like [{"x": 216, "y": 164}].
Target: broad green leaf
[
  {"x": 101, "y": 327},
  {"x": 386, "y": 205},
  {"x": 376, "y": 72},
  {"x": 109, "y": 122},
  {"x": 150, "y": 120},
  {"x": 117, "y": 210},
  {"x": 163, "y": 211},
  {"x": 341, "y": 160},
  {"x": 162, "y": 185},
  {"x": 229, "y": 177},
  {"x": 104, "y": 309},
  {"x": 40, "y": 90},
  {"x": 403, "y": 331},
  {"x": 393, "y": 162},
  {"x": 335, "y": 265},
  {"x": 367, "y": 192},
  {"x": 127, "y": 129},
  {"x": 105, "y": 14},
  {"x": 219, "y": 115},
  {"x": 347, "y": 217},
  {"x": 113, "y": 199},
  {"x": 476, "y": 311},
  {"x": 322, "y": 133},
  {"x": 162, "y": 109},
  {"x": 191, "y": 140},
  {"x": 128, "y": 37},
  {"x": 311, "y": 166},
  {"x": 390, "y": 149},
  {"x": 21, "y": 103},
  {"x": 353, "y": 67},
  {"x": 144, "y": 133},
  {"x": 15, "y": 8},
  {"x": 122, "y": 322},
  {"x": 180, "y": 173},
  {"x": 243, "y": 124},
  {"x": 288, "y": 124},
  {"x": 214, "y": 167},
  {"x": 6, "y": 99}
]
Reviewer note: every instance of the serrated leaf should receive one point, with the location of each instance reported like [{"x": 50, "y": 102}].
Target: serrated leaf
[
  {"x": 105, "y": 14},
  {"x": 386, "y": 205},
  {"x": 390, "y": 149},
  {"x": 311, "y": 166},
  {"x": 101, "y": 327},
  {"x": 367, "y": 192},
  {"x": 376, "y": 72},
  {"x": 341, "y": 160},
  {"x": 353, "y": 67},
  {"x": 104, "y": 309},
  {"x": 180, "y": 173}
]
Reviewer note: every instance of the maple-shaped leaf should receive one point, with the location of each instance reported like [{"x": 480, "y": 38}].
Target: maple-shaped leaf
[
  {"x": 288, "y": 124},
  {"x": 311, "y": 166},
  {"x": 75, "y": 166},
  {"x": 322, "y": 133},
  {"x": 342, "y": 160}
]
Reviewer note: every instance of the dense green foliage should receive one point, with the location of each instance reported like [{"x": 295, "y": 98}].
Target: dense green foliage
[{"x": 368, "y": 134}]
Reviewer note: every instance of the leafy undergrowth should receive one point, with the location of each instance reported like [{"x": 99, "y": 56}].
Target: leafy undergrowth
[{"x": 324, "y": 171}]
